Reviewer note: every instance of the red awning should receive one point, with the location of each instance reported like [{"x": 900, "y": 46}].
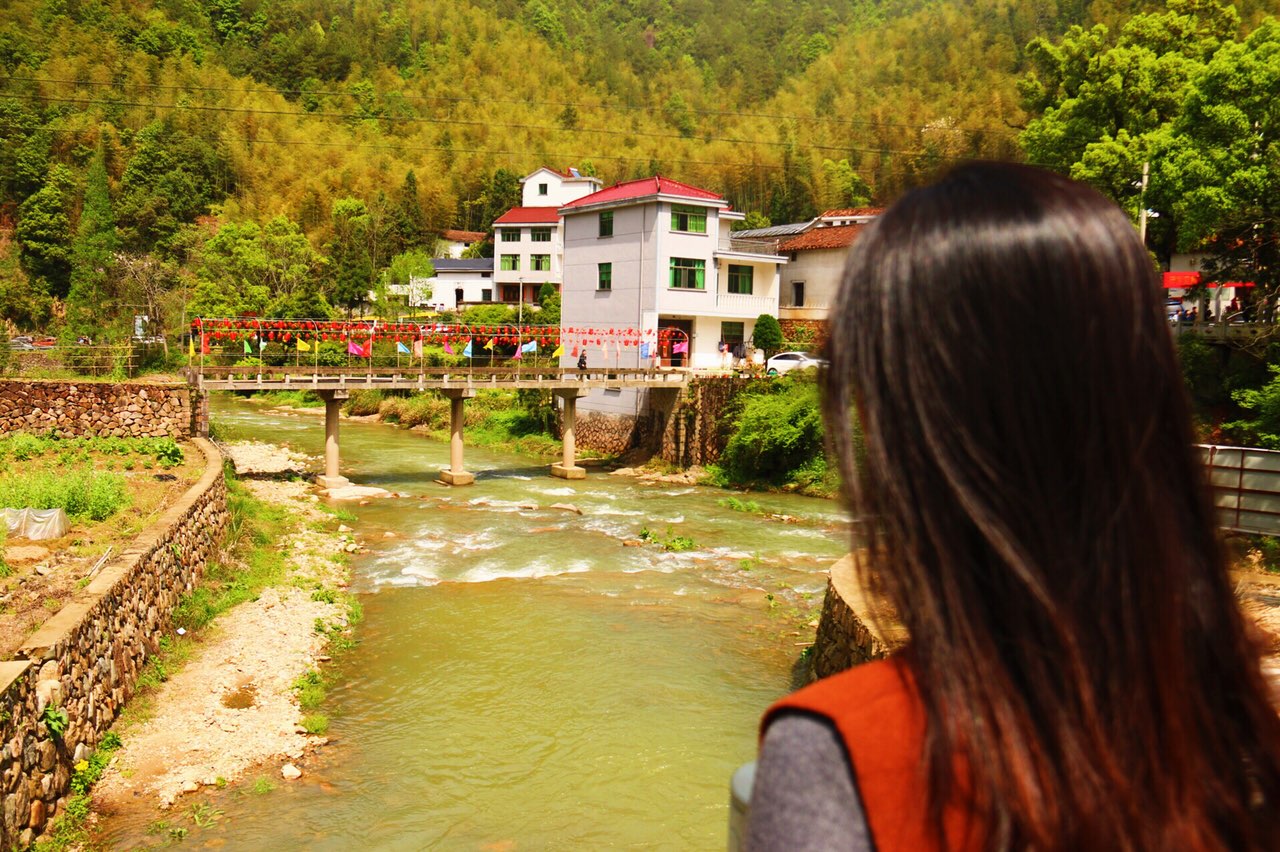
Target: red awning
[{"x": 1183, "y": 280}]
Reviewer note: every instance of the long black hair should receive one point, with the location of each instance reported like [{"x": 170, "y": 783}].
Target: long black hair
[{"x": 1042, "y": 524}]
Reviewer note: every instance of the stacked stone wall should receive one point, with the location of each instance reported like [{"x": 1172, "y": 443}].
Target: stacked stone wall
[
  {"x": 86, "y": 659},
  {"x": 698, "y": 428},
  {"x": 811, "y": 333},
  {"x": 75, "y": 409},
  {"x": 848, "y": 634}
]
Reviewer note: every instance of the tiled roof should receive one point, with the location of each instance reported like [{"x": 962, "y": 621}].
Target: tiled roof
[
  {"x": 462, "y": 264},
  {"x": 838, "y": 236},
  {"x": 644, "y": 188},
  {"x": 851, "y": 212},
  {"x": 462, "y": 236},
  {"x": 528, "y": 216},
  {"x": 787, "y": 230}
]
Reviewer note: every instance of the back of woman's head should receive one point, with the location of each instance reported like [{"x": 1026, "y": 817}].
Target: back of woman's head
[{"x": 1039, "y": 519}]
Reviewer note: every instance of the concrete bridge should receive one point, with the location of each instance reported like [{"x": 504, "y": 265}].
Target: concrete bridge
[{"x": 458, "y": 384}]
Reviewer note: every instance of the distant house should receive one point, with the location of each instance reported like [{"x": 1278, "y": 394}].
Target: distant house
[
  {"x": 528, "y": 247},
  {"x": 457, "y": 282},
  {"x": 454, "y": 243},
  {"x": 1185, "y": 275},
  {"x": 817, "y": 254},
  {"x": 656, "y": 254}
]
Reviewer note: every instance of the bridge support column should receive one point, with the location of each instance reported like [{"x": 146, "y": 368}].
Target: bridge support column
[
  {"x": 566, "y": 469},
  {"x": 455, "y": 474},
  {"x": 332, "y": 477}
]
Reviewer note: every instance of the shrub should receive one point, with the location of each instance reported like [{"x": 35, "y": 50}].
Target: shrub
[
  {"x": 767, "y": 334},
  {"x": 364, "y": 402},
  {"x": 778, "y": 432},
  {"x": 168, "y": 453}
]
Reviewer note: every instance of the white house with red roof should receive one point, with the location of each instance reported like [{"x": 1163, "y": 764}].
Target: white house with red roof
[
  {"x": 817, "y": 256},
  {"x": 527, "y": 247},
  {"x": 453, "y": 243},
  {"x": 657, "y": 254}
]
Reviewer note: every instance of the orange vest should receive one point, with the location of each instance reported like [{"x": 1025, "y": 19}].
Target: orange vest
[{"x": 881, "y": 720}]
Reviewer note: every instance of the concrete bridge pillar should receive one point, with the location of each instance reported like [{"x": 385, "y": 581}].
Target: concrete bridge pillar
[
  {"x": 332, "y": 478},
  {"x": 455, "y": 474},
  {"x": 566, "y": 469}
]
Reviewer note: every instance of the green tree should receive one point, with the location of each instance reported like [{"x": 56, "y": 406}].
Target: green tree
[
  {"x": 410, "y": 224},
  {"x": 1222, "y": 162},
  {"x": 767, "y": 334},
  {"x": 93, "y": 252},
  {"x": 350, "y": 267},
  {"x": 44, "y": 231},
  {"x": 393, "y": 284}
]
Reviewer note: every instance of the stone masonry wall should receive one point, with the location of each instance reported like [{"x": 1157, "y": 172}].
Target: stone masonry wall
[
  {"x": 809, "y": 332},
  {"x": 696, "y": 431},
  {"x": 847, "y": 634},
  {"x": 95, "y": 408},
  {"x": 87, "y": 657}
]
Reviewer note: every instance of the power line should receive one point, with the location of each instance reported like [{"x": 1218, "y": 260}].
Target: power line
[{"x": 857, "y": 122}]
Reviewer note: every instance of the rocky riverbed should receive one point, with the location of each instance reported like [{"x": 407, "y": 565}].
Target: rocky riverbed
[{"x": 232, "y": 709}]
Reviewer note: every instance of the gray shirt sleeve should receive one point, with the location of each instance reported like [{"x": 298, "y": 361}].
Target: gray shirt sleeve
[{"x": 804, "y": 798}]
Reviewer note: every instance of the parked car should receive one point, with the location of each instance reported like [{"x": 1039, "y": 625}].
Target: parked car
[{"x": 785, "y": 362}]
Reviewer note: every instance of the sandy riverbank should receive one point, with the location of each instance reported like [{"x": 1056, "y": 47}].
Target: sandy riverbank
[{"x": 231, "y": 709}]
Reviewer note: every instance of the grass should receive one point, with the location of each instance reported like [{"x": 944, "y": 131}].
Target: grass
[
  {"x": 315, "y": 723},
  {"x": 289, "y": 399},
  {"x": 68, "y": 831}
]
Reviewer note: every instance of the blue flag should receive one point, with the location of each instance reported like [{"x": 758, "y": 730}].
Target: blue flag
[
  {"x": 531, "y": 346},
  {"x": 466, "y": 353},
  {"x": 644, "y": 351},
  {"x": 402, "y": 349}
]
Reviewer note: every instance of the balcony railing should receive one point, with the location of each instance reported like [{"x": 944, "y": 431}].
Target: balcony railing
[{"x": 746, "y": 304}]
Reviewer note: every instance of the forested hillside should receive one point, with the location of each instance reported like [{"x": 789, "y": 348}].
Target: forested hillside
[{"x": 278, "y": 155}]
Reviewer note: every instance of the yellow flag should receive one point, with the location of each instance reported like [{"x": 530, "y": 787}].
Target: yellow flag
[
  {"x": 559, "y": 351},
  {"x": 302, "y": 345},
  {"x": 489, "y": 345},
  {"x": 191, "y": 347}
]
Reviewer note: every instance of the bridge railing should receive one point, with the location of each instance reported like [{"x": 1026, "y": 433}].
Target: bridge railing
[{"x": 365, "y": 376}]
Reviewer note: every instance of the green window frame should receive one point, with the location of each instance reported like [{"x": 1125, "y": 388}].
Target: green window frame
[
  {"x": 688, "y": 219},
  {"x": 540, "y": 262},
  {"x": 540, "y": 235},
  {"x": 741, "y": 279},
  {"x": 733, "y": 332},
  {"x": 509, "y": 235},
  {"x": 604, "y": 276},
  {"x": 510, "y": 263},
  {"x": 606, "y": 223},
  {"x": 688, "y": 273},
  {"x": 486, "y": 295}
]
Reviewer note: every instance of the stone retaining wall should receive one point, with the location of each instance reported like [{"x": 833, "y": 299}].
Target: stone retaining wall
[
  {"x": 696, "y": 431},
  {"x": 87, "y": 657},
  {"x": 75, "y": 409},
  {"x": 847, "y": 633}
]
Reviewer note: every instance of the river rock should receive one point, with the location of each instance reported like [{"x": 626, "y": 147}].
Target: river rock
[
  {"x": 567, "y": 507},
  {"x": 623, "y": 471},
  {"x": 633, "y": 542},
  {"x": 289, "y": 772},
  {"x": 343, "y": 528},
  {"x": 355, "y": 492}
]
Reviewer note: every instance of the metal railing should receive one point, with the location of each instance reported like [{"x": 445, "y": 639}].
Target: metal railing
[{"x": 1246, "y": 487}]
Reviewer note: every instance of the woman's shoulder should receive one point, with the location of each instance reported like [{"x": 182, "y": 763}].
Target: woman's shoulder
[{"x": 872, "y": 688}]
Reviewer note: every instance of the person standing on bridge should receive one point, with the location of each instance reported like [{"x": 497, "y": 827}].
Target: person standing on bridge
[{"x": 1079, "y": 674}]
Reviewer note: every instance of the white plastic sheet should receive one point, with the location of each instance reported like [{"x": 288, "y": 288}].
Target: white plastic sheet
[{"x": 36, "y": 524}]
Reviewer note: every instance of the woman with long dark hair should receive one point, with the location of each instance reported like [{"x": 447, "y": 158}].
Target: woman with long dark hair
[{"x": 1078, "y": 674}]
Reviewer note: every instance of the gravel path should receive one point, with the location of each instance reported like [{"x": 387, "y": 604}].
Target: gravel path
[{"x": 231, "y": 708}]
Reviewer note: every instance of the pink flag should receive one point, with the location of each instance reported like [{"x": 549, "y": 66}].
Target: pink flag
[
  {"x": 353, "y": 348},
  {"x": 417, "y": 348},
  {"x": 680, "y": 348},
  {"x": 447, "y": 348},
  {"x": 517, "y": 356}
]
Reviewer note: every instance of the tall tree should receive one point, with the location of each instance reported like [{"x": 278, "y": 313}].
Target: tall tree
[
  {"x": 350, "y": 267},
  {"x": 410, "y": 223},
  {"x": 93, "y": 252},
  {"x": 44, "y": 231}
]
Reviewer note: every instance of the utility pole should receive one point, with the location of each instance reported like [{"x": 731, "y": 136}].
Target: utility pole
[{"x": 1142, "y": 203}]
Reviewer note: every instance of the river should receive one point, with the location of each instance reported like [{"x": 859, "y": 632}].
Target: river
[{"x": 522, "y": 679}]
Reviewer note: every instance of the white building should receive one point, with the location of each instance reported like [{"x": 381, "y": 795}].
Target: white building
[
  {"x": 1185, "y": 272},
  {"x": 528, "y": 247},
  {"x": 454, "y": 243},
  {"x": 456, "y": 283},
  {"x": 654, "y": 254}
]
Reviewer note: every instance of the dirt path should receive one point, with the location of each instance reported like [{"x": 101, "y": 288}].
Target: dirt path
[{"x": 232, "y": 707}]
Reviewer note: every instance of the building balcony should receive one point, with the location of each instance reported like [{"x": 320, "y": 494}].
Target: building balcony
[{"x": 744, "y": 305}]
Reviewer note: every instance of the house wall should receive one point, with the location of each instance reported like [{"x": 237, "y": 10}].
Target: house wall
[
  {"x": 443, "y": 296},
  {"x": 525, "y": 248},
  {"x": 559, "y": 190},
  {"x": 821, "y": 271}
]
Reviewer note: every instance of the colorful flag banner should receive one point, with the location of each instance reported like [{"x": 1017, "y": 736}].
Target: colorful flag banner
[
  {"x": 467, "y": 351},
  {"x": 402, "y": 349},
  {"x": 353, "y": 348},
  {"x": 262, "y": 344},
  {"x": 644, "y": 351},
  {"x": 248, "y": 350},
  {"x": 681, "y": 348},
  {"x": 303, "y": 346},
  {"x": 191, "y": 347},
  {"x": 559, "y": 351},
  {"x": 417, "y": 348},
  {"x": 531, "y": 346},
  {"x": 447, "y": 348},
  {"x": 489, "y": 345},
  {"x": 519, "y": 353}
]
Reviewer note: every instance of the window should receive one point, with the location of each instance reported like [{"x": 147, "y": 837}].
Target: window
[
  {"x": 510, "y": 263},
  {"x": 540, "y": 262},
  {"x": 604, "y": 276},
  {"x": 542, "y": 189},
  {"x": 509, "y": 235},
  {"x": 740, "y": 279},
  {"x": 732, "y": 333},
  {"x": 688, "y": 273},
  {"x": 797, "y": 294},
  {"x": 691, "y": 220},
  {"x": 486, "y": 295},
  {"x": 606, "y": 223},
  {"x": 540, "y": 235}
]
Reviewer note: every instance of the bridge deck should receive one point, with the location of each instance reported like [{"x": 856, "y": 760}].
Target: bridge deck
[{"x": 429, "y": 378}]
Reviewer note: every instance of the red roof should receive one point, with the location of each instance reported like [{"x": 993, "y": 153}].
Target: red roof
[
  {"x": 528, "y": 216},
  {"x": 462, "y": 236},
  {"x": 851, "y": 212},
  {"x": 838, "y": 236},
  {"x": 644, "y": 188}
]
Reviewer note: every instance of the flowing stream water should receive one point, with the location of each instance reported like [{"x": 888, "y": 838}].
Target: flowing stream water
[{"x": 522, "y": 679}]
